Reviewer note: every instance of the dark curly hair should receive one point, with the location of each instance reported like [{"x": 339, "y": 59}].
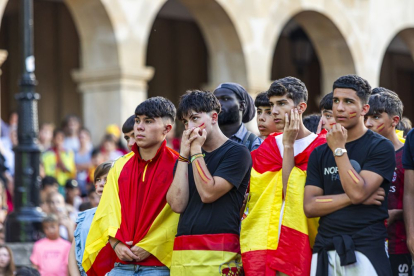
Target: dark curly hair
[
  {"x": 326, "y": 102},
  {"x": 378, "y": 90},
  {"x": 156, "y": 107},
  {"x": 386, "y": 102},
  {"x": 128, "y": 126},
  {"x": 294, "y": 88},
  {"x": 311, "y": 122},
  {"x": 198, "y": 101},
  {"x": 262, "y": 100},
  {"x": 356, "y": 83}
]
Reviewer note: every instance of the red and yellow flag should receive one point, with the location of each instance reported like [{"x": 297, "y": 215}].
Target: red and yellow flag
[
  {"x": 133, "y": 208},
  {"x": 268, "y": 244},
  {"x": 208, "y": 254}
]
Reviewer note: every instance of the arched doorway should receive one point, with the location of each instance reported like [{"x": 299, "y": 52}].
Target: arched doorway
[
  {"x": 397, "y": 70},
  {"x": 56, "y": 46},
  {"x": 178, "y": 53},
  {"x": 311, "y": 47}
]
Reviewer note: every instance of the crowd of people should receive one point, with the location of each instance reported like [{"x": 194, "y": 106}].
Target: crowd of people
[{"x": 330, "y": 193}]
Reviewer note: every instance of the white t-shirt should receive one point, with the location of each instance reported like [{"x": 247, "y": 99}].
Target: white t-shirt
[{"x": 299, "y": 145}]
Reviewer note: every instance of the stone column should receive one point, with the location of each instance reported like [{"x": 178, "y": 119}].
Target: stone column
[{"x": 110, "y": 96}]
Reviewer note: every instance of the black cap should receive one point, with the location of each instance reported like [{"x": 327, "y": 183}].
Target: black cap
[{"x": 71, "y": 184}]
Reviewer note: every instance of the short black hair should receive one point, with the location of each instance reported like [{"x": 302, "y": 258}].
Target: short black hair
[
  {"x": 311, "y": 122},
  {"x": 198, "y": 101},
  {"x": 49, "y": 181},
  {"x": 385, "y": 102},
  {"x": 356, "y": 83},
  {"x": 262, "y": 100},
  {"x": 294, "y": 88},
  {"x": 58, "y": 131},
  {"x": 156, "y": 107},
  {"x": 326, "y": 102},
  {"x": 378, "y": 90},
  {"x": 128, "y": 126}
]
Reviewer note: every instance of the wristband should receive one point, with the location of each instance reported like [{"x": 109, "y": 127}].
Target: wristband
[
  {"x": 113, "y": 247},
  {"x": 183, "y": 159},
  {"x": 195, "y": 156}
]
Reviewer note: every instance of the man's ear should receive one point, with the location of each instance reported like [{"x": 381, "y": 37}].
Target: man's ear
[
  {"x": 365, "y": 109},
  {"x": 395, "y": 120},
  {"x": 167, "y": 128},
  {"x": 214, "y": 117},
  {"x": 302, "y": 107}
]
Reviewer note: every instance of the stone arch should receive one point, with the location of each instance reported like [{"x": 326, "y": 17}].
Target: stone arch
[
  {"x": 330, "y": 45},
  {"x": 226, "y": 58},
  {"x": 397, "y": 67}
]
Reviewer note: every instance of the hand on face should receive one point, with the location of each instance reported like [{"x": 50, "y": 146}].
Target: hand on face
[
  {"x": 186, "y": 141},
  {"x": 199, "y": 135},
  {"x": 291, "y": 130},
  {"x": 336, "y": 137}
]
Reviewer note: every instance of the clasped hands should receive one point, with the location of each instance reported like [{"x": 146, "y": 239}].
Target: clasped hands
[
  {"x": 127, "y": 254},
  {"x": 192, "y": 141}
]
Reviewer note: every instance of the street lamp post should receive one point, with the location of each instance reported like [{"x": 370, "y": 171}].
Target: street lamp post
[{"x": 24, "y": 224}]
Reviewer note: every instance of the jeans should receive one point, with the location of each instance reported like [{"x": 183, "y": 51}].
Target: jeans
[{"x": 138, "y": 270}]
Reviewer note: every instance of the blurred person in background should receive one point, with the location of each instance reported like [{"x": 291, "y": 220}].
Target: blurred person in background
[
  {"x": 97, "y": 159},
  {"x": 8, "y": 143},
  {"x": 109, "y": 148},
  {"x": 83, "y": 159},
  {"x": 58, "y": 162},
  {"x": 50, "y": 254},
  {"x": 7, "y": 267},
  {"x": 12, "y": 120},
  {"x": 173, "y": 141},
  {"x": 405, "y": 126},
  {"x": 84, "y": 221},
  {"x": 73, "y": 199},
  {"x": 71, "y": 127},
  {"x": 56, "y": 205},
  {"x": 49, "y": 185},
  {"x": 116, "y": 133},
  {"x": 46, "y": 136}
]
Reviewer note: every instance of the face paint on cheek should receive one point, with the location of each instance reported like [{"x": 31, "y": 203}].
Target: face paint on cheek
[
  {"x": 380, "y": 127},
  {"x": 352, "y": 115},
  {"x": 202, "y": 126},
  {"x": 324, "y": 200},
  {"x": 354, "y": 177}
]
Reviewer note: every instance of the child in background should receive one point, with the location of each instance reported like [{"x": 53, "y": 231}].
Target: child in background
[
  {"x": 49, "y": 185},
  {"x": 84, "y": 221},
  {"x": 56, "y": 206},
  {"x": 50, "y": 254},
  {"x": 7, "y": 267}
]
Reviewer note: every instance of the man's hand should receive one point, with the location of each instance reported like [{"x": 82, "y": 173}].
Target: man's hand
[
  {"x": 376, "y": 198},
  {"x": 291, "y": 130},
  {"x": 141, "y": 253},
  {"x": 186, "y": 141},
  {"x": 199, "y": 136},
  {"x": 124, "y": 253},
  {"x": 336, "y": 137}
]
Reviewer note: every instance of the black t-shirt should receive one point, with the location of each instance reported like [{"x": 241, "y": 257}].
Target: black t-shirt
[
  {"x": 231, "y": 161},
  {"x": 372, "y": 152},
  {"x": 408, "y": 155}
]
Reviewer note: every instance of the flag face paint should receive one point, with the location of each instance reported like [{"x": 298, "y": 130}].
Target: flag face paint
[
  {"x": 352, "y": 115},
  {"x": 380, "y": 127},
  {"x": 201, "y": 172},
  {"x": 323, "y": 200},
  {"x": 202, "y": 126},
  {"x": 354, "y": 177}
]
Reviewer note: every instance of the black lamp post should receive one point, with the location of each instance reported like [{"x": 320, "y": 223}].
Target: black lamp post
[{"x": 24, "y": 224}]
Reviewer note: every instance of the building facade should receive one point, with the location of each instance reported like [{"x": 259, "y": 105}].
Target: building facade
[{"x": 99, "y": 59}]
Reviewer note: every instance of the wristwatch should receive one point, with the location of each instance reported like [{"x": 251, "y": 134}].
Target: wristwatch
[{"x": 339, "y": 152}]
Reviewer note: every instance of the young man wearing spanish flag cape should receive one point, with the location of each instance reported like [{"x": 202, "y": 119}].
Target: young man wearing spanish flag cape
[
  {"x": 347, "y": 185},
  {"x": 133, "y": 214},
  {"x": 208, "y": 192},
  {"x": 383, "y": 116},
  {"x": 276, "y": 236}
]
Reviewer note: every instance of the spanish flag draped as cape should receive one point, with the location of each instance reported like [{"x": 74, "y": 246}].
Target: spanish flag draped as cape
[
  {"x": 133, "y": 208},
  {"x": 265, "y": 247}
]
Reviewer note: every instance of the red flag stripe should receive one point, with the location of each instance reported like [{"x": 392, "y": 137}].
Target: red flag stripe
[{"x": 214, "y": 242}]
